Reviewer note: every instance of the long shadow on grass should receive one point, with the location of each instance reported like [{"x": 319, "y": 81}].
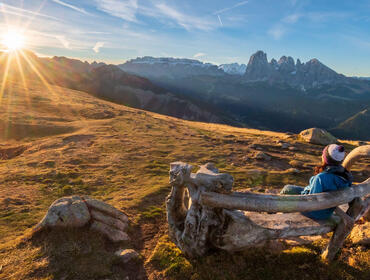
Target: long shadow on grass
[
  {"x": 81, "y": 254},
  {"x": 298, "y": 262}
]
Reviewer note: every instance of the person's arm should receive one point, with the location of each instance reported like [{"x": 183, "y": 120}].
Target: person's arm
[{"x": 316, "y": 185}]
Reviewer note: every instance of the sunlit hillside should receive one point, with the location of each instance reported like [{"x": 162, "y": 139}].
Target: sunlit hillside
[{"x": 57, "y": 142}]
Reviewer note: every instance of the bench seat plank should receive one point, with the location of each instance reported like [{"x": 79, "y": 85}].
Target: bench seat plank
[{"x": 249, "y": 229}]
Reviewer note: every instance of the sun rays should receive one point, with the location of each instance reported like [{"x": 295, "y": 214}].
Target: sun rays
[
  {"x": 18, "y": 65},
  {"x": 13, "y": 40}
]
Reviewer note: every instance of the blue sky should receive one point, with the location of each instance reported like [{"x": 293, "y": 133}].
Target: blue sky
[{"x": 335, "y": 32}]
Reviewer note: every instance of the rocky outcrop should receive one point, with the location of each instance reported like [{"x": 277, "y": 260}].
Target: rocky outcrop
[
  {"x": 317, "y": 136},
  {"x": 78, "y": 211},
  {"x": 258, "y": 68},
  {"x": 303, "y": 75}
]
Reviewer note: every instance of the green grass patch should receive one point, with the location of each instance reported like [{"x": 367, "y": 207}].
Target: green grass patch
[
  {"x": 152, "y": 213},
  {"x": 169, "y": 259}
]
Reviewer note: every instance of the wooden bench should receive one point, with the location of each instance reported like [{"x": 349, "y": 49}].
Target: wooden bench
[{"x": 203, "y": 212}]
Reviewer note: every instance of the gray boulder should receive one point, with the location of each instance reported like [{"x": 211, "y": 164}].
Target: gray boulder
[
  {"x": 69, "y": 211},
  {"x": 317, "y": 136},
  {"x": 76, "y": 211}
]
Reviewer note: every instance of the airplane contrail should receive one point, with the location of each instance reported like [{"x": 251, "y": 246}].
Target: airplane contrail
[{"x": 219, "y": 19}]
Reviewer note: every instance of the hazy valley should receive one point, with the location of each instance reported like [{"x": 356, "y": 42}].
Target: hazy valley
[{"x": 282, "y": 96}]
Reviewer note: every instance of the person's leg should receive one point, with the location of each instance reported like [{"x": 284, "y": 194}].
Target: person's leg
[{"x": 291, "y": 189}]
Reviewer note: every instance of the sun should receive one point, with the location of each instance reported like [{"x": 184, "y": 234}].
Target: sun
[{"x": 13, "y": 40}]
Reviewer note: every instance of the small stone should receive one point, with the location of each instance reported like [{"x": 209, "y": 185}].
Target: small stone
[
  {"x": 262, "y": 156},
  {"x": 284, "y": 145},
  {"x": 292, "y": 148},
  {"x": 293, "y": 170},
  {"x": 246, "y": 158},
  {"x": 296, "y": 163},
  {"x": 127, "y": 255}
]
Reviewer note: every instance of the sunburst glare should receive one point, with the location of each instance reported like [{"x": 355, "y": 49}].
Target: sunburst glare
[{"x": 13, "y": 40}]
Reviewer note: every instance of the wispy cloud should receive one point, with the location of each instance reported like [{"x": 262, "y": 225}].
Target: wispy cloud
[
  {"x": 357, "y": 41},
  {"x": 327, "y": 16},
  {"x": 9, "y": 9},
  {"x": 277, "y": 31},
  {"x": 315, "y": 17},
  {"x": 293, "y": 18},
  {"x": 122, "y": 9},
  {"x": 186, "y": 21},
  {"x": 129, "y": 10},
  {"x": 230, "y": 8},
  {"x": 62, "y": 39},
  {"x": 197, "y": 55},
  {"x": 65, "y": 4},
  {"x": 97, "y": 46}
]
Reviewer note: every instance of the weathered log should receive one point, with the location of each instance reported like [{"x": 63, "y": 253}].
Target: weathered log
[
  {"x": 191, "y": 228},
  {"x": 355, "y": 155},
  {"x": 248, "y": 229},
  {"x": 340, "y": 233},
  {"x": 284, "y": 203}
]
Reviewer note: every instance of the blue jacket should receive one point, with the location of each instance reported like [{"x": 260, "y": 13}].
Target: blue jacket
[{"x": 332, "y": 179}]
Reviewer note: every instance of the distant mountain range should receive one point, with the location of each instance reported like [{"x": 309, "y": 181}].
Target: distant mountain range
[
  {"x": 284, "y": 95},
  {"x": 311, "y": 74},
  {"x": 279, "y": 95}
]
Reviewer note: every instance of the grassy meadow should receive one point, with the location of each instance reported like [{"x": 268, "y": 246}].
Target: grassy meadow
[{"x": 56, "y": 142}]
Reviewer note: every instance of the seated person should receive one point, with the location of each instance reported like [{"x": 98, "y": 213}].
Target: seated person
[{"x": 330, "y": 176}]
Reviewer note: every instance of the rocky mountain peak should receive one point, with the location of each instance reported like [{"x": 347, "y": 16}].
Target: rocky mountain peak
[
  {"x": 259, "y": 58},
  {"x": 286, "y": 60},
  {"x": 258, "y": 67},
  {"x": 302, "y": 75},
  {"x": 299, "y": 63},
  {"x": 314, "y": 61},
  {"x": 274, "y": 63},
  {"x": 286, "y": 64}
]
